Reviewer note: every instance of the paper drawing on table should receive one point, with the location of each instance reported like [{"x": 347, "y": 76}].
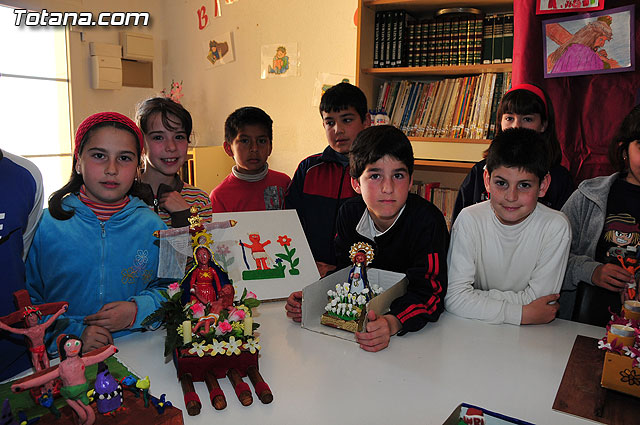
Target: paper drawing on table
[
  {"x": 263, "y": 251},
  {"x": 592, "y": 43}
]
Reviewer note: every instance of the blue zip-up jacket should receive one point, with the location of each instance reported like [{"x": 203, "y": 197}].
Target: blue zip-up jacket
[{"x": 90, "y": 263}]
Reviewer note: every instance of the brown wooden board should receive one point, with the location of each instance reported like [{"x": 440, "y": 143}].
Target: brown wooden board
[{"x": 580, "y": 393}]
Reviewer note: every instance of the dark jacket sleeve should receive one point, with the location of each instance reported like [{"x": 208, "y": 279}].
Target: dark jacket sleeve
[
  {"x": 427, "y": 275},
  {"x": 470, "y": 191},
  {"x": 293, "y": 197}
]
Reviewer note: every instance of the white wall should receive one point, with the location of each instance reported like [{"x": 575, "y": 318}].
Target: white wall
[
  {"x": 85, "y": 100},
  {"x": 326, "y": 37}
]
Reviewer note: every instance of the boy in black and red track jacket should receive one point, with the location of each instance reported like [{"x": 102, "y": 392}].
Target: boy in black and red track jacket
[
  {"x": 408, "y": 235},
  {"x": 321, "y": 182}
]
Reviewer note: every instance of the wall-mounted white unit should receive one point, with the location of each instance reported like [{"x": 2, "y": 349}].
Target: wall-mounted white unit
[
  {"x": 137, "y": 46},
  {"x": 106, "y": 72}
]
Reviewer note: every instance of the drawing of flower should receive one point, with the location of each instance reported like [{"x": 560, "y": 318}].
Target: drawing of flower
[
  {"x": 216, "y": 347},
  {"x": 630, "y": 376},
  {"x": 198, "y": 348},
  {"x": 223, "y": 249},
  {"x": 233, "y": 346},
  {"x": 252, "y": 345},
  {"x": 284, "y": 240}
]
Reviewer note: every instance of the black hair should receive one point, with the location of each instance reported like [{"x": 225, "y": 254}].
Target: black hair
[
  {"x": 342, "y": 96},
  {"x": 76, "y": 181},
  {"x": 628, "y": 132},
  {"x": 63, "y": 340},
  {"x": 248, "y": 115},
  {"x": 165, "y": 107},
  {"x": 521, "y": 148},
  {"x": 524, "y": 102},
  {"x": 373, "y": 143}
]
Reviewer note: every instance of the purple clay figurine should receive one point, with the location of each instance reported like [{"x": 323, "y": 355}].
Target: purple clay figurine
[{"x": 108, "y": 391}]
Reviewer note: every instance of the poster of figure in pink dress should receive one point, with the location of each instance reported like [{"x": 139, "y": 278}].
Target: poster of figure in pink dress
[{"x": 591, "y": 43}]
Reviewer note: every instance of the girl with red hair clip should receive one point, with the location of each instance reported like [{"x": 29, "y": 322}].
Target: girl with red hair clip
[{"x": 94, "y": 247}]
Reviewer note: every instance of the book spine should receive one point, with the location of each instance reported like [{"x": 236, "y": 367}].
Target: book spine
[
  {"x": 411, "y": 44},
  {"x": 498, "y": 38},
  {"x": 429, "y": 38},
  {"x": 477, "y": 41},
  {"x": 446, "y": 42},
  {"x": 507, "y": 47},
  {"x": 387, "y": 38},
  {"x": 439, "y": 42},
  {"x": 394, "y": 38},
  {"x": 454, "y": 43},
  {"x": 465, "y": 52},
  {"x": 376, "y": 40},
  {"x": 487, "y": 40},
  {"x": 402, "y": 39},
  {"x": 383, "y": 39}
]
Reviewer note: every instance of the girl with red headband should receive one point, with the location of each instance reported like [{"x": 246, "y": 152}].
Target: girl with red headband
[
  {"x": 528, "y": 106},
  {"x": 94, "y": 247},
  {"x": 166, "y": 126},
  {"x": 604, "y": 261}
]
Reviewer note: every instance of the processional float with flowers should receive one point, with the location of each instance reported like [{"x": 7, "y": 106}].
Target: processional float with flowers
[{"x": 210, "y": 334}]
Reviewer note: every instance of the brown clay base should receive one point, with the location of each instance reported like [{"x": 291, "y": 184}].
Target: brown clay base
[
  {"x": 352, "y": 326},
  {"x": 132, "y": 413}
]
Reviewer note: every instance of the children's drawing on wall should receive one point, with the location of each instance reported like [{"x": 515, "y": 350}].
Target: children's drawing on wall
[
  {"x": 219, "y": 50},
  {"x": 325, "y": 81},
  {"x": 594, "y": 43},
  {"x": 563, "y": 6},
  {"x": 263, "y": 251},
  {"x": 279, "y": 60},
  {"x": 203, "y": 18}
]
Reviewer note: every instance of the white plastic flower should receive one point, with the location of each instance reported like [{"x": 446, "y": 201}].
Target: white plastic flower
[
  {"x": 252, "y": 345},
  {"x": 217, "y": 347},
  {"x": 233, "y": 346},
  {"x": 198, "y": 348}
]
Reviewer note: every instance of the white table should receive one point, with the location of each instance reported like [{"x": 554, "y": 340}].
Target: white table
[{"x": 420, "y": 378}]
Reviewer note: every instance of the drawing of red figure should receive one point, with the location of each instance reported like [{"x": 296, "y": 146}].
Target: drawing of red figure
[
  {"x": 35, "y": 333},
  {"x": 257, "y": 250}
]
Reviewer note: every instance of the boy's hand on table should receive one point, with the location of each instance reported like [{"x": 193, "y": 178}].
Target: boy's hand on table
[
  {"x": 113, "y": 316},
  {"x": 379, "y": 331},
  {"x": 172, "y": 202},
  {"x": 540, "y": 311},
  {"x": 294, "y": 306},
  {"x": 95, "y": 337},
  {"x": 324, "y": 268},
  {"x": 611, "y": 277}
]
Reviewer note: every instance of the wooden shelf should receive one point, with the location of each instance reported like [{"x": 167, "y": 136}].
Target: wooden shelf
[
  {"x": 422, "y": 5},
  {"x": 450, "y": 140},
  {"x": 446, "y": 166},
  {"x": 414, "y": 71}
]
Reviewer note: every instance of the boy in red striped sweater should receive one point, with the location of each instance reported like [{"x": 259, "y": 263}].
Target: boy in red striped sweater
[{"x": 408, "y": 234}]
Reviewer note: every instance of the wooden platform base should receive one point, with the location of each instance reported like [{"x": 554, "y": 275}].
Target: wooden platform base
[
  {"x": 580, "y": 392},
  {"x": 350, "y": 326}
]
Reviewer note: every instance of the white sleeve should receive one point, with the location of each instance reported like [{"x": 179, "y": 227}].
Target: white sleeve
[
  {"x": 462, "y": 298},
  {"x": 36, "y": 211}
]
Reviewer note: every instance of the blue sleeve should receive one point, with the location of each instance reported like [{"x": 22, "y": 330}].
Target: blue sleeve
[{"x": 148, "y": 301}]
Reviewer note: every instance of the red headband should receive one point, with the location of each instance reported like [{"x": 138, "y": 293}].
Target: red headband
[
  {"x": 101, "y": 117},
  {"x": 535, "y": 90}
]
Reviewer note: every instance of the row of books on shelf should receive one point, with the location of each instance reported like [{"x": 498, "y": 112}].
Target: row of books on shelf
[
  {"x": 461, "y": 39},
  {"x": 442, "y": 197},
  {"x": 461, "y": 108}
]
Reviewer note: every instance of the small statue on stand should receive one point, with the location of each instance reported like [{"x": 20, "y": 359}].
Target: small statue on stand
[
  {"x": 208, "y": 283},
  {"x": 71, "y": 372},
  {"x": 358, "y": 275}
]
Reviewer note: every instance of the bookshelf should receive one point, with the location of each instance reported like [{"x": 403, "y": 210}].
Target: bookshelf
[{"x": 453, "y": 157}]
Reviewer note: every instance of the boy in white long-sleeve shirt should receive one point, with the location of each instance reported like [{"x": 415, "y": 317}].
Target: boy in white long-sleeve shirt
[{"x": 508, "y": 255}]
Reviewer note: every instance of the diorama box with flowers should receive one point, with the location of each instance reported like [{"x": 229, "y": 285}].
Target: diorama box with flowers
[
  {"x": 210, "y": 332},
  {"x": 326, "y": 303},
  {"x": 621, "y": 369}
]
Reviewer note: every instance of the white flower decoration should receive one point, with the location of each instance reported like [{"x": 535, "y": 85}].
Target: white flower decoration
[
  {"x": 198, "y": 348},
  {"x": 217, "y": 347},
  {"x": 233, "y": 346},
  {"x": 252, "y": 345}
]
